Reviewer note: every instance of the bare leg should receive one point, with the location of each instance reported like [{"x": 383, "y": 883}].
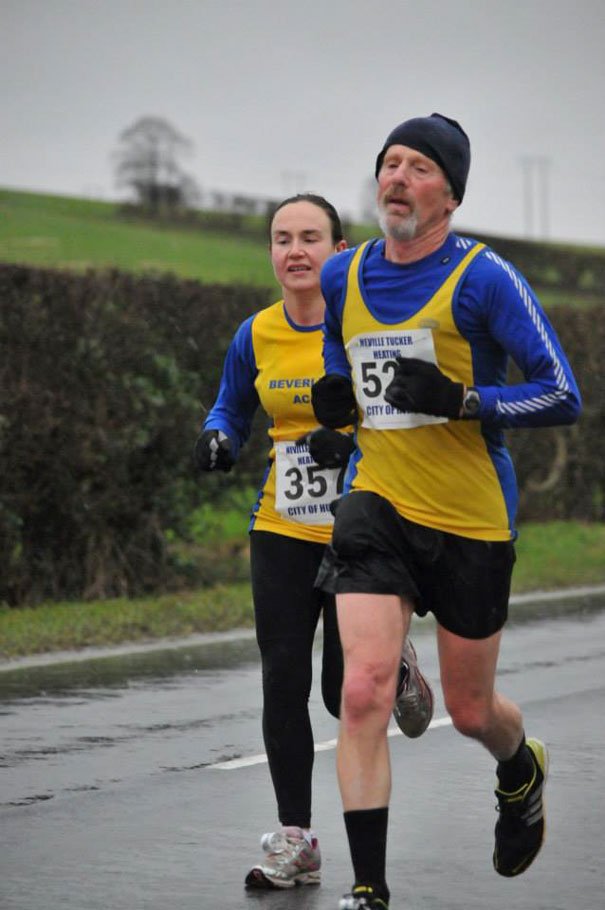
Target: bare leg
[
  {"x": 468, "y": 670},
  {"x": 372, "y": 630}
]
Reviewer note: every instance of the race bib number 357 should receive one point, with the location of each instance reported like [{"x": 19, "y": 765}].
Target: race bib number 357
[
  {"x": 373, "y": 358},
  {"x": 303, "y": 490}
]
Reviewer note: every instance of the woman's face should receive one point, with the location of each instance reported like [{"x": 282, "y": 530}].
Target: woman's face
[{"x": 301, "y": 241}]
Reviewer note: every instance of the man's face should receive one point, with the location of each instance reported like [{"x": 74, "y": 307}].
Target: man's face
[{"x": 413, "y": 194}]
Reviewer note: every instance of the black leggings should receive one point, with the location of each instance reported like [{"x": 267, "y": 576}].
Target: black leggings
[{"x": 287, "y": 608}]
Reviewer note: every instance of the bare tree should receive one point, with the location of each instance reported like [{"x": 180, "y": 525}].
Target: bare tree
[{"x": 147, "y": 161}]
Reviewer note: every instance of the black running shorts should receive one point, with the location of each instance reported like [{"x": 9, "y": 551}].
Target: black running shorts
[{"x": 465, "y": 583}]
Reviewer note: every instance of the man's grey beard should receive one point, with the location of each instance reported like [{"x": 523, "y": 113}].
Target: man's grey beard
[{"x": 398, "y": 228}]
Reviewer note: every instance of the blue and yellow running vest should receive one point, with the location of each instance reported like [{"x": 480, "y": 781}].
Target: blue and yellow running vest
[
  {"x": 289, "y": 360},
  {"x": 436, "y": 472}
]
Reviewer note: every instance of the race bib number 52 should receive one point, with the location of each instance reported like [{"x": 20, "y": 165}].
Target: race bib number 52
[
  {"x": 303, "y": 490},
  {"x": 373, "y": 358}
]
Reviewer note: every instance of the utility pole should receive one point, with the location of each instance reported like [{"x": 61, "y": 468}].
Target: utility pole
[
  {"x": 536, "y": 194},
  {"x": 543, "y": 165},
  {"x": 528, "y": 195}
]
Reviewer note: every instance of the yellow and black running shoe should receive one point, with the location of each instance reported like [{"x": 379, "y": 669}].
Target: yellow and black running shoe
[
  {"x": 520, "y": 826},
  {"x": 362, "y": 897}
]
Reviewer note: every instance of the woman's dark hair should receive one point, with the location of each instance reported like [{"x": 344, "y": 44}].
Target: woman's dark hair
[{"x": 320, "y": 202}]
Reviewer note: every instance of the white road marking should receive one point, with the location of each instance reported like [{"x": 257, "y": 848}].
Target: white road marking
[{"x": 235, "y": 763}]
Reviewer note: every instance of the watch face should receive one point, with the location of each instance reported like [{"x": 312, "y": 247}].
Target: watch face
[{"x": 472, "y": 403}]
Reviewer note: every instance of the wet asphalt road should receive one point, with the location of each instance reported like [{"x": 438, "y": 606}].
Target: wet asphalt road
[{"x": 139, "y": 782}]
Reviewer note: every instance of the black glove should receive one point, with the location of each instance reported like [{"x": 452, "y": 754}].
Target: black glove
[
  {"x": 212, "y": 451},
  {"x": 328, "y": 448},
  {"x": 333, "y": 401},
  {"x": 422, "y": 388}
]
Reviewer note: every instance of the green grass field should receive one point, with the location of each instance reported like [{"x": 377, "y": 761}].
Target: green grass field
[
  {"x": 69, "y": 233},
  {"x": 78, "y": 234}
]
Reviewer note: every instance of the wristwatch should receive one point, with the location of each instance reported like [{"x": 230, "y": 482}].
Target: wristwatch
[{"x": 471, "y": 403}]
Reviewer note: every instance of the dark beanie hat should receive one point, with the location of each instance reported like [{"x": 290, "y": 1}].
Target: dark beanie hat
[{"x": 439, "y": 138}]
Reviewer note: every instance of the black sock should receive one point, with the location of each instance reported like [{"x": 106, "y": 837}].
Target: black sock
[
  {"x": 515, "y": 771},
  {"x": 367, "y": 834}
]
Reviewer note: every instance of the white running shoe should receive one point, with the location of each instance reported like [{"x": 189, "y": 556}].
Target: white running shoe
[{"x": 293, "y": 858}]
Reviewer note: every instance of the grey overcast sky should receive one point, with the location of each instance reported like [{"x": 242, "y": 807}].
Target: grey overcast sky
[{"x": 281, "y": 96}]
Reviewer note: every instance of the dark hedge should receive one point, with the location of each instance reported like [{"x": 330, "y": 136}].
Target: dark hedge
[
  {"x": 561, "y": 470},
  {"x": 105, "y": 379}
]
